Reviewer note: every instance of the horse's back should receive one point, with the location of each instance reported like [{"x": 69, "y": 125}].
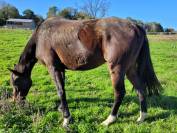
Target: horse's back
[{"x": 84, "y": 44}]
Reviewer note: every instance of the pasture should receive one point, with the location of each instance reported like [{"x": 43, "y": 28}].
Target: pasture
[{"x": 89, "y": 94}]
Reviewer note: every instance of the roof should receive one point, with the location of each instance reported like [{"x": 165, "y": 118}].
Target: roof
[{"x": 20, "y": 20}]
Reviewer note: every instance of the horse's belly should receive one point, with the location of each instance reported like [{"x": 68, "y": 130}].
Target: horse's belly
[
  {"x": 81, "y": 60},
  {"x": 92, "y": 63}
]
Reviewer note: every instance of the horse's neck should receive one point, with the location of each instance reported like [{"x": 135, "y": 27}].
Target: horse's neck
[{"x": 28, "y": 59}]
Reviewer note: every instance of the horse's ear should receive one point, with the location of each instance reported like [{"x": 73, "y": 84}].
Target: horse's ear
[
  {"x": 14, "y": 72},
  {"x": 86, "y": 34}
]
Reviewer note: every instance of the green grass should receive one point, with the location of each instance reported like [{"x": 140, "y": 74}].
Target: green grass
[{"x": 89, "y": 94}]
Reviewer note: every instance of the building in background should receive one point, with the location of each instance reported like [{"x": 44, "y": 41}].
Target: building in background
[{"x": 20, "y": 23}]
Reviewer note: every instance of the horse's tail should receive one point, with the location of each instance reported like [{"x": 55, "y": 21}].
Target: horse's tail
[{"x": 146, "y": 71}]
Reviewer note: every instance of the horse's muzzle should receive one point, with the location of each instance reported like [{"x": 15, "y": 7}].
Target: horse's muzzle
[{"x": 17, "y": 97}]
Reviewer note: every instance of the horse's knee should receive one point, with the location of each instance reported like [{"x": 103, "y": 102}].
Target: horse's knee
[
  {"x": 60, "y": 92},
  {"x": 120, "y": 88},
  {"x": 60, "y": 107},
  {"x": 120, "y": 94}
]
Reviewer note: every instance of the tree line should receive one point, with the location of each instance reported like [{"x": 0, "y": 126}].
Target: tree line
[
  {"x": 89, "y": 10},
  {"x": 151, "y": 26},
  {"x": 8, "y": 11},
  {"x": 68, "y": 13}
]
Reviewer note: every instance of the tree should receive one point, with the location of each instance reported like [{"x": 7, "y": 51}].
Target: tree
[
  {"x": 8, "y": 11},
  {"x": 82, "y": 15},
  {"x": 139, "y": 22},
  {"x": 72, "y": 13},
  {"x": 38, "y": 19},
  {"x": 149, "y": 27},
  {"x": 154, "y": 27},
  {"x": 95, "y": 8},
  {"x": 52, "y": 12},
  {"x": 68, "y": 13},
  {"x": 28, "y": 14},
  {"x": 169, "y": 30},
  {"x": 2, "y": 19}
]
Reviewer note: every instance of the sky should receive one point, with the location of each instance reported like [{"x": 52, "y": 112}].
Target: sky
[{"x": 162, "y": 11}]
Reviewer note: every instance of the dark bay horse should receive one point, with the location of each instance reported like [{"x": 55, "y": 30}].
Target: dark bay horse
[{"x": 62, "y": 44}]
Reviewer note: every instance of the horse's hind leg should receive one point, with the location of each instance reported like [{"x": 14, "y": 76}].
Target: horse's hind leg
[
  {"x": 140, "y": 88},
  {"x": 117, "y": 77},
  {"x": 59, "y": 77}
]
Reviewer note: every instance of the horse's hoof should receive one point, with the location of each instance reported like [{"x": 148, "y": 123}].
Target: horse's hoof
[
  {"x": 111, "y": 119},
  {"x": 142, "y": 117},
  {"x": 67, "y": 121}
]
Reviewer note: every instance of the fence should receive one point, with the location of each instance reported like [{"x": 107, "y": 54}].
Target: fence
[{"x": 161, "y": 33}]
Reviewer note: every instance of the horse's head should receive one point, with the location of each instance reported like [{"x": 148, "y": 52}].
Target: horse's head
[{"x": 21, "y": 84}]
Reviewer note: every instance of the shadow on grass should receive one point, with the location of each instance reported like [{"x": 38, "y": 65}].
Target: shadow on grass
[
  {"x": 82, "y": 90},
  {"x": 163, "y": 115},
  {"x": 164, "y": 102},
  {"x": 168, "y": 103}
]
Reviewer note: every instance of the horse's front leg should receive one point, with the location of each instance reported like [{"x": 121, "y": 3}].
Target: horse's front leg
[
  {"x": 117, "y": 77},
  {"x": 59, "y": 79}
]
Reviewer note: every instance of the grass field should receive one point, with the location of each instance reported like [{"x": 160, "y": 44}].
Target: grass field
[{"x": 89, "y": 94}]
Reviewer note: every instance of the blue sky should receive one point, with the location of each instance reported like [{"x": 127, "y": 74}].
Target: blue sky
[{"x": 163, "y": 11}]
